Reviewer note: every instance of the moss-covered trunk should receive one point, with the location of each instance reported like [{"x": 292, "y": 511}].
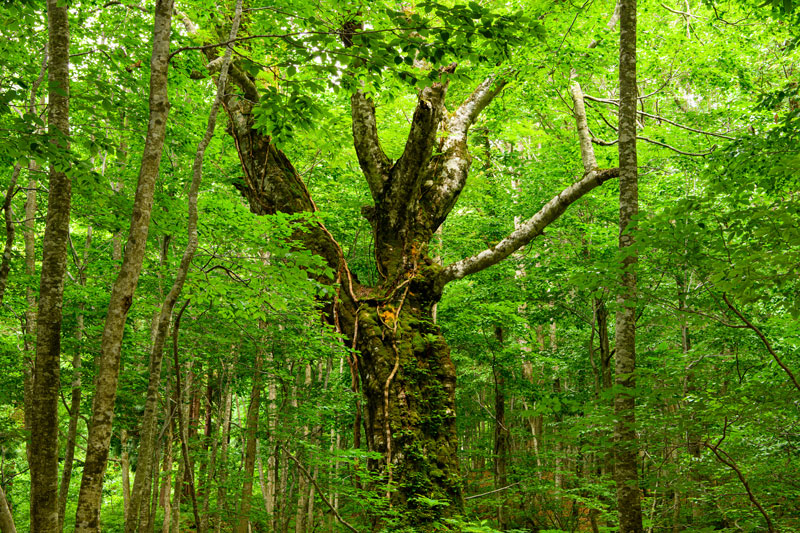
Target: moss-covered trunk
[{"x": 408, "y": 381}]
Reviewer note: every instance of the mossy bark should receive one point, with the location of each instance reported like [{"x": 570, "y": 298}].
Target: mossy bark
[{"x": 408, "y": 381}]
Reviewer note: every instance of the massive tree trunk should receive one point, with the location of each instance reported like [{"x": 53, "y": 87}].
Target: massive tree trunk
[
  {"x": 405, "y": 368},
  {"x": 625, "y": 441},
  {"x": 47, "y": 372},
  {"x": 88, "y": 512}
]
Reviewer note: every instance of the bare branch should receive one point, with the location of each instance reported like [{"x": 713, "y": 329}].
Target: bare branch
[
  {"x": 726, "y": 459},
  {"x": 658, "y": 117},
  {"x": 763, "y": 338},
  {"x": 319, "y": 490},
  {"x": 528, "y": 230},
  {"x": 601, "y": 142}
]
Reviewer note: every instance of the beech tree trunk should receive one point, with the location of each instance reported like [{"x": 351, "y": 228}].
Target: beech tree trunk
[
  {"x": 161, "y": 325},
  {"x": 626, "y": 444},
  {"x": 47, "y": 372},
  {"x": 88, "y": 512}
]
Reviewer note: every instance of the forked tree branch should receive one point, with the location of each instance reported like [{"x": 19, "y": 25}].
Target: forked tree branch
[
  {"x": 421, "y": 138},
  {"x": 553, "y": 209}
]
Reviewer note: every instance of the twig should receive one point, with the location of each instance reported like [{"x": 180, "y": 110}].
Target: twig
[
  {"x": 491, "y": 491},
  {"x": 764, "y": 340},
  {"x": 601, "y": 142},
  {"x": 659, "y": 117},
  {"x": 319, "y": 490}
]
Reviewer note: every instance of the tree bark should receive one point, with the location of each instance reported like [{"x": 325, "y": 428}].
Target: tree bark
[
  {"x": 47, "y": 372},
  {"x": 251, "y": 434},
  {"x": 161, "y": 326},
  {"x": 626, "y": 443},
  {"x": 6, "y": 518},
  {"x": 122, "y": 292}
]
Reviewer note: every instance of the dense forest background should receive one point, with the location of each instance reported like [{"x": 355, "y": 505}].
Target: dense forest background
[{"x": 231, "y": 355}]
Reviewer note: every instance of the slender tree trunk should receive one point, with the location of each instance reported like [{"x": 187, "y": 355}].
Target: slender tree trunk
[
  {"x": 166, "y": 485},
  {"x": 46, "y": 381},
  {"x": 161, "y": 325},
  {"x": 183, "y": 432},
  {"x": 222, "y": 493},
  {"x": 212, "y": 438},
  {"x": 501, "y": 433},
  {"x": 272, "y": 460},
  {"x": 8, "y": 212},
  {"x": 626, "y": 443},
  {"x": 177, "y": 491},
  {"x": 125, "y": 466},
  {"x": 75, "y": 399},
  {"x": 122, "y": 292},
  {"x": 6, "y": 519},
  {"x": 243, "y": 519},
  {"x": 29, "y": 236}
]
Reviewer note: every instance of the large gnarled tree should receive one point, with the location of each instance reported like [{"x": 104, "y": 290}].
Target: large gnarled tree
[{"x": 406, "y": 373}]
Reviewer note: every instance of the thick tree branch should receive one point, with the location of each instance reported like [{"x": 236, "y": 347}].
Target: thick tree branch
[
  {"x": 579, "y": 111},
  {"x": 421, "y": 141},
  {"x": 371, "y": 157},
  {"x": 466, "y": 114},
  {"x": 528, "y": 230},
  {"x": 447, "y": 173}
]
